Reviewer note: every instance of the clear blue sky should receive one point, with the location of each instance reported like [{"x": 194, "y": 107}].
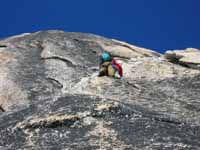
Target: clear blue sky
[{"x": 154, "y": 24}]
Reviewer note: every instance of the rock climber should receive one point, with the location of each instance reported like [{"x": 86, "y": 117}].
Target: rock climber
[{"x": 109, "y": 66}]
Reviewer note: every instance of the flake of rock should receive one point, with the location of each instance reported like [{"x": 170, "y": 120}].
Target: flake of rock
[{"x": 189, "y": 57}]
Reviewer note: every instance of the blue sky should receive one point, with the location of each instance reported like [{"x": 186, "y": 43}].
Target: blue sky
[{"x": 156, "y": 24}]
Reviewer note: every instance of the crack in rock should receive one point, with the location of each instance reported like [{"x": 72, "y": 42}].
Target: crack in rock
[
  {"x": 68, "y": 62},
  {"x": 166, "y": 120},
  {"x": 3, "y": 46},
  {"x": 2, "y": 109},
  {"x": 56, "y": 81}
]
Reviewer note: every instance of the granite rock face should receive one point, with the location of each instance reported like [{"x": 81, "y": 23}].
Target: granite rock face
[{"x": 51, "y": 97}]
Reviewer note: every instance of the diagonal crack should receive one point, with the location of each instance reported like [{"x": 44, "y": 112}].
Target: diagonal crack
[
  {"x": 56, "y": 81},
  {"x": 166, "y": 119},
  {"x": 2, "y": 109},
  {"x": 68, "y": 62}
]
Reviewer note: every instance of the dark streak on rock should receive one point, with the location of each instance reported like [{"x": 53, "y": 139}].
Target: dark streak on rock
[{"x": 144, "y": 113}]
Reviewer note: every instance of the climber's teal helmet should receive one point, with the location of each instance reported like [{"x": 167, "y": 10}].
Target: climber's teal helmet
[{"x": 106, "y": 56}]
